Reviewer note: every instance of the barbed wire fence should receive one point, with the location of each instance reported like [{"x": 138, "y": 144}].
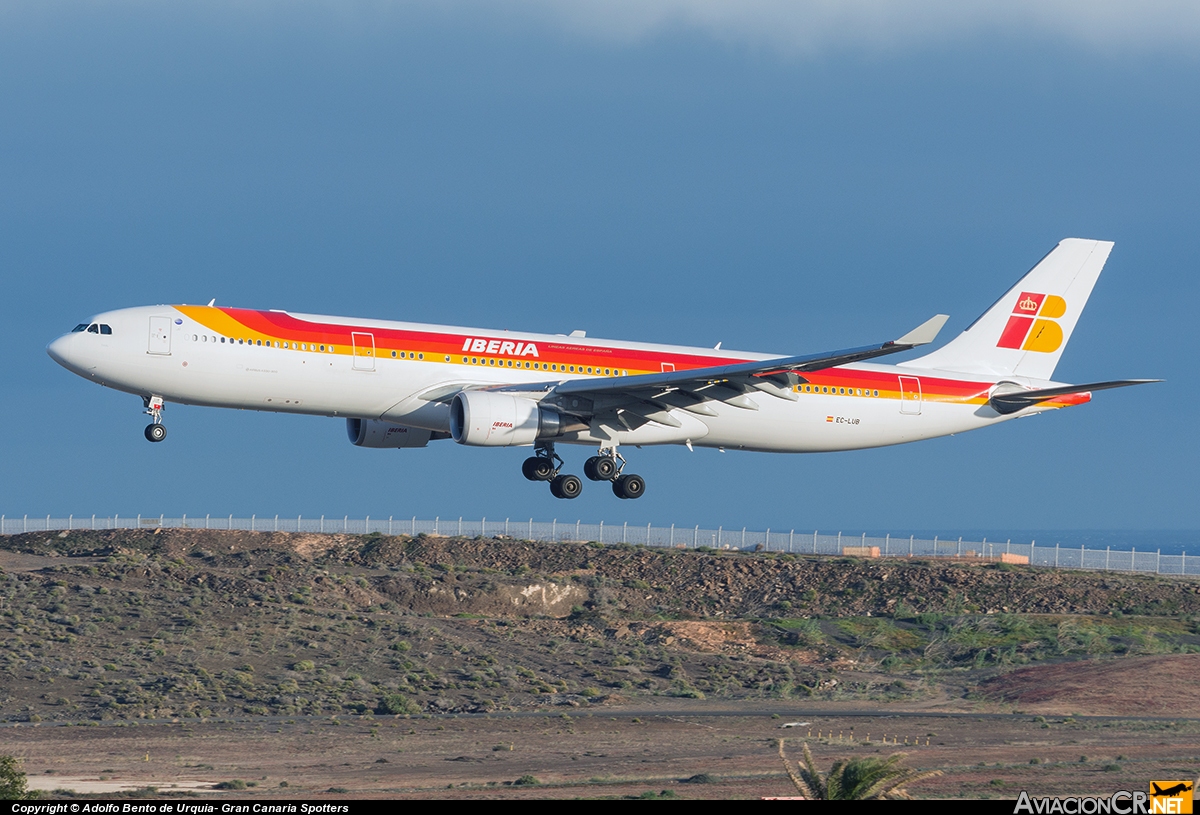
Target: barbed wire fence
[{"x": 682, "y": 537}]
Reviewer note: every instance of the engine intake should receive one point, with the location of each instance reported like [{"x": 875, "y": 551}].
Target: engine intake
[{"x": 485, "y": 419}]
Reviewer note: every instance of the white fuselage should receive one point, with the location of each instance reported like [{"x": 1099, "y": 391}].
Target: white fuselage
[{"x": 401, "y": 373}]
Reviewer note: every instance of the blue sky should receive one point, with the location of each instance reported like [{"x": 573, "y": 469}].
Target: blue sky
[{"x": 761, "y": 174}]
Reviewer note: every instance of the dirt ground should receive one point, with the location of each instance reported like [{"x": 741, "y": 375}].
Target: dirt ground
[
  {"x": 367, "y": 667},
  {"x": 611, "y": 753}
]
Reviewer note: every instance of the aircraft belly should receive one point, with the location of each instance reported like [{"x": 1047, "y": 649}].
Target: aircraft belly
[{"x": 817, "y": 424}]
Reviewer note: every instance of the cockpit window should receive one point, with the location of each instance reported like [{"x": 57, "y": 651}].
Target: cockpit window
[
  {"x": 79, "y": 327},
  {"x": 105, "y": 329},
  {"x": 93, "y": 329}
]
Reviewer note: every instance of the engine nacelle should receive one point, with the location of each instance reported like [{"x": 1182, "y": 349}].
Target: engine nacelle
[
  {"x": 485, "y": 419},
  {"x": 374, "y": 433}
]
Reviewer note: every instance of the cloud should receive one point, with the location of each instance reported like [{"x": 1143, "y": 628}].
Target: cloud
[{"x": 808, "y": 26}]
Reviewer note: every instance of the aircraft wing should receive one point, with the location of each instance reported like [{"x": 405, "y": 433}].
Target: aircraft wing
[{"x": 634, "y": 400}]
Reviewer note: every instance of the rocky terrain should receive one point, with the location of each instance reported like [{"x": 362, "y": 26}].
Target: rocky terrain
[{"x": 160, "y": 624}]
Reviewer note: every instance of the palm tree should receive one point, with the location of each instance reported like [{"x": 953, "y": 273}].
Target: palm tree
[{"x": 859, "y": 779}]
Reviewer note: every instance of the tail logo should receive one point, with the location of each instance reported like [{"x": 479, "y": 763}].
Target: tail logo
[{"x": 1032, "y": 326}]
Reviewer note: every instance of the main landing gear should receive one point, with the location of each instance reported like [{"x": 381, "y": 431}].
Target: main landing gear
[
  {"x": 156, "y": 431},
  {"x": 545, "y": 465}
]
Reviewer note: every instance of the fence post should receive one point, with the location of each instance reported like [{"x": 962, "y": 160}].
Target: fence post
[
  {"x": 531, "y": 528},
  {"x": 554, "y": 530},
  {"x": 1056, "y": 555},
  {"x": 460, "y": 526},
  {"x": 483, "y": 527},
  {"x": 25, "y": 527},
  {"x": 719, "y": 529},
  {"x": 506, "y": 527},
  {"x": 791, "y": 540},
  {"x": 413, "y": 534},
  {"x": 696, "y": 536},
  {"x": 366, "y": 525},
  {"x": 1158, "y": 563},
  {"x": 389, "y": 526},
  {"x": 602, "y": 532},
  {"x": 1107, "y": 554},
  {"x": 1032, "y": 543},
  {"x": 70, "y": 522},
  {"x": 276, "y": 523},
  {"x": 910, "y": 545},
  {"x": 673, "y": 535},
  {"x": 625, "y": 533},
  {"x": 321, "y": 527},
  {"x": 116, "y": 518},
  {"x": 345, "y": 523},
  {"x": 436, "y": 519},
  {"x": 743, "y": 537},
  {"x": 577, "y": 520},
  {"x": 647, "y": 534},
  {"x": 814, "y": 541}
]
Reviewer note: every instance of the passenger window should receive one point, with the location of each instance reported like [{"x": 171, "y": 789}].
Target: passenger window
[
  {"x": 420, "y": 356},
  {"x": 393, "y": 355},
  {"x": 195, "y": 338},
  {"x": 322, "y": 347}
]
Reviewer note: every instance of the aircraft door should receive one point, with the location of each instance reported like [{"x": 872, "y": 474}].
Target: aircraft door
[
  {"x": 364, "y": 350},
  {"x": 160, "y": 336},
  {"x": 910, "y": 395}
]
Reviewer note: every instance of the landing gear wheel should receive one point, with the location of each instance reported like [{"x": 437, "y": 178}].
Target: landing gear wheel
[
  {"x": 537, "y": 468},
  {"x": 629, "y": 486},
  {"x": 156, "y": 432},
  {"x": 566, "y": 486},
  {"x": 589, "y": 469},
  {"x": 605, "y": 468}
]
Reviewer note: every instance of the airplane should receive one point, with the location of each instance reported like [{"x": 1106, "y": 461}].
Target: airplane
[
  {"x": 402, "y": 385},
  {"x": 1171, "y": 792}
]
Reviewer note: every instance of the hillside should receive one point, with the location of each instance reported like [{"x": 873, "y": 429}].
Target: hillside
[{"x": 193, "y": 623}]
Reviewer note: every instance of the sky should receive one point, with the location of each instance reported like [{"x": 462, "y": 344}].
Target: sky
[{"x": 779, "y": 177}]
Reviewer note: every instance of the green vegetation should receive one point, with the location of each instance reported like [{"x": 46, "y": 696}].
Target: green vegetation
[
  {"x": 12, "y": 780},
  {"x": 858, "y": 779}
]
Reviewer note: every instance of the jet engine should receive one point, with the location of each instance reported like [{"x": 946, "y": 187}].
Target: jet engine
[
  {"x": 374, "y": 433},
  {"x": 485, "y": 419}
]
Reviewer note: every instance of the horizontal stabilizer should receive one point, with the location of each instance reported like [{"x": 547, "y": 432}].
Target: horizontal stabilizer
[{"x": 1010, "y": 401}]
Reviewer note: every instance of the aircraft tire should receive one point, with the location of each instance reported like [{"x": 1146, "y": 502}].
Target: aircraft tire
[
  {"x": 629, "y": 486},
  {"x": 566, "y": 486},
  {"x": 536, "y": 468},
  {"x": 156, "y": 432},
  {"x": 589, "y": 469},
  {"x": 605, "y": 468}
]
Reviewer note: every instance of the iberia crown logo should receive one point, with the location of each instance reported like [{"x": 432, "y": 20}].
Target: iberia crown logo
[{"x": 1032, "y": 326}]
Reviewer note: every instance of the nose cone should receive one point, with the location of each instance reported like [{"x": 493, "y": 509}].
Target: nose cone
[{"x": 63, "y": 351}]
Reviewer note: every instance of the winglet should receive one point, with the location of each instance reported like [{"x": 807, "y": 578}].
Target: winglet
[{"x": 925, "y": 333}]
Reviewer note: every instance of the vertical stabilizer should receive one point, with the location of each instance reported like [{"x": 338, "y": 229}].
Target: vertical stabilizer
[{"x": 1025, "y": 331}]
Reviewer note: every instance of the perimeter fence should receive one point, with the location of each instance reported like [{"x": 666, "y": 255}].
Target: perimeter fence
[{"x": 682, "y": 537}]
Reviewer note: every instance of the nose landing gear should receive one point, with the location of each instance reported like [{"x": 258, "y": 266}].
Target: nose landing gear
[{"x": 156, "y": 431}]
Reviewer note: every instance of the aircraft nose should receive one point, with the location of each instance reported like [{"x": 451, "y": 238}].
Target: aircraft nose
[{"x": 60, "y": 351}]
